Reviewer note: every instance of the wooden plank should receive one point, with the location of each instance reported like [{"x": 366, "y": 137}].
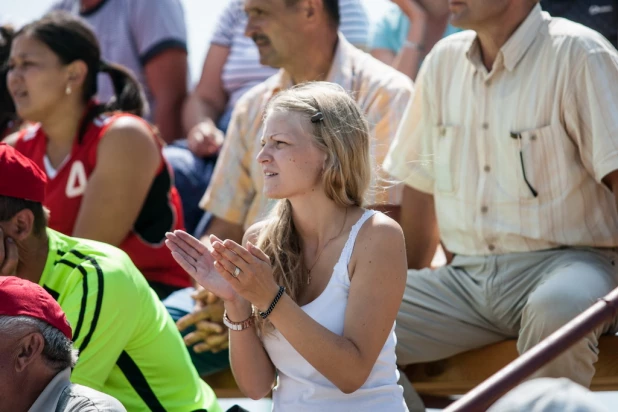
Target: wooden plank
[{"x": 459, "y": 374}]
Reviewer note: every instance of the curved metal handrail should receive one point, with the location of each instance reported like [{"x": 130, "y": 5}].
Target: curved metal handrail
[{"x": 488, "y": 392}]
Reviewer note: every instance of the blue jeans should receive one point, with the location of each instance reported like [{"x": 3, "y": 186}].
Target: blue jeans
[
  {"x": 179, "y": 304},
  {"x": 191, "y": 177}
]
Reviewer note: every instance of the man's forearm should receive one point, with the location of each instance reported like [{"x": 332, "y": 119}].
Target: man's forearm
[
  {"x": 196, "y": 110},
  {"x": 167, "y": 118},
  {"x": 166, "y": 77},
  {"x": 421, "y": 38},
  {"x": 419, "y": 224}
]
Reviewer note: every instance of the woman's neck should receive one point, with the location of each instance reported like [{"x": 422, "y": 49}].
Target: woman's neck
[
  {"x": 317, "y": 219},
  {"x": 61, "y": 128}
]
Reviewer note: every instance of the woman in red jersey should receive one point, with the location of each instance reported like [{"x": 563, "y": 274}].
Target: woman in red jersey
[
  {"x": 108, "y": 180},
  {"x": 9, "y": 122}
]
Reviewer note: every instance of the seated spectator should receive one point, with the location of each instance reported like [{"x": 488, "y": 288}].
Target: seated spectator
[
  {"x": 325, "y": 336},
  {"x": 9, "y": 122},
  {"x": 128, "y": 344},
  {"x": 306, "y": 47},
  {"x": 510, "y": 149},
  {"x": 99, "y": 187},
  {"x": 36, "y": 355},
  {"x": 599, "y": 15},
  {"x": 408, "y": 31},
  {"x": 232, "y": 67},
  {"x": 149, "y": 37}
]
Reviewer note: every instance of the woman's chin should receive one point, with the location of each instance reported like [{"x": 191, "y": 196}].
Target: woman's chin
[
  {"x": 27, "y": 114},
  {"x": 273, "y": 194}
]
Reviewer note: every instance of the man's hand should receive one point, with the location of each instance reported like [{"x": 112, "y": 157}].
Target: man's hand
[
  {"x": 9, "y": 256},
  {"x": 207, "y": 317},
  {"x": 205, "y": 139}
]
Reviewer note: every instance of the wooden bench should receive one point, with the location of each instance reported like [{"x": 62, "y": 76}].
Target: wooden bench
[{"x": 460, "y": 373}]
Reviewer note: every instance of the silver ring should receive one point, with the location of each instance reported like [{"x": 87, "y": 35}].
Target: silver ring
[{"x": 236, "y": 272}]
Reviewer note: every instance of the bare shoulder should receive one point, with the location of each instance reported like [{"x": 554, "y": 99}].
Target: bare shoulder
[
  {"x": 130, "y": 134},
  {"x": 380, "y": 228},
  {"x": 130, "y": 127},
  {"x": 380, "y": 235},
  {"x": 252, "y": 234},
  {"x": 379, "y": 250}
]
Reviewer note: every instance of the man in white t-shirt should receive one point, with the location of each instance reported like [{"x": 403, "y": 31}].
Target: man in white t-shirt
[{"x": 149, "y": 37}]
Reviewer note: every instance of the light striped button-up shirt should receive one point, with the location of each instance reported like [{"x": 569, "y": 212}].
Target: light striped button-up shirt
[
  {"x": 515, "y": 156},
  {"x": 235, "y": 191}
]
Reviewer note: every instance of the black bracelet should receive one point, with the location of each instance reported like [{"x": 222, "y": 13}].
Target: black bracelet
[{"x": 264, "y": 315}]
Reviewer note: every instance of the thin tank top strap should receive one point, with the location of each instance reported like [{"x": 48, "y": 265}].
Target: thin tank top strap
[{"x": 346, "y": 253}]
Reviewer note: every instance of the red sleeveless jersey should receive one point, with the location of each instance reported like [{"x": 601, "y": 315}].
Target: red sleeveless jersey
[{"x": 162, "y": 210}]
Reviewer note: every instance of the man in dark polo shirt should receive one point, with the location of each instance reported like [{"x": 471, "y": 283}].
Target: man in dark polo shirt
[{"x": 599, "y": 15}]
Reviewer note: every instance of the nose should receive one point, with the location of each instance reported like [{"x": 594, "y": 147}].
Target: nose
[
  {"x": 250, "y": 28},
  {"x": 264, "y": 156},
  {"x": 12, "y": 78}
]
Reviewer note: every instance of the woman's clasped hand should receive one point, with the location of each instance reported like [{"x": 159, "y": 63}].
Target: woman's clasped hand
[{"x": 229, "y": 270}]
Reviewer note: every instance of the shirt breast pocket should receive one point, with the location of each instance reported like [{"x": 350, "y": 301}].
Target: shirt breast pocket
[
  {"x": 446, "y": 158},
  {"x": 546, "y": 162}
]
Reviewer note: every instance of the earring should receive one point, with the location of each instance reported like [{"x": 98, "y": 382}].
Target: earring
[{"x": 68, "y": 90}]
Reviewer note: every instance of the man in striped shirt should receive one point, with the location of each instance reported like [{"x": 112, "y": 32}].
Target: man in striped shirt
[
  {"x": 302, "y": 39},
  {"x": 128, "y": 344},
  {"x": 511, "y": 146}
]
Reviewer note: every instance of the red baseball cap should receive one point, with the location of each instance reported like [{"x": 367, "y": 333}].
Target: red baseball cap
[
  {"x": 20, "y": 297},
  {"x": 20, "y": 177}
]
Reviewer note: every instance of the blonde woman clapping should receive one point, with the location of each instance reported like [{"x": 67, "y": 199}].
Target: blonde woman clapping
[{"x": 311, "y": 298}]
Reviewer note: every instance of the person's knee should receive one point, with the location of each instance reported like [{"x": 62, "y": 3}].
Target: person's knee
[{"x": 551, "y": 308}]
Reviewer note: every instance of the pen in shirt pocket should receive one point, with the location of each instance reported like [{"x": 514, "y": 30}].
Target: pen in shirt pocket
[{"x": 518, "y": 137}]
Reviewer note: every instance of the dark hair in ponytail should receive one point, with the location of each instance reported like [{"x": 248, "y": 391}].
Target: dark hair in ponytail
[
  {"x": 70, "y": 39},
  {"x": 7, "y": 107},
  {"x": 129, "y": 95}
]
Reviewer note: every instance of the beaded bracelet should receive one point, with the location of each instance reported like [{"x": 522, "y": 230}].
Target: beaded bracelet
[
  {"x": 264, "y": 315},
  {"x": 247, "y": 323}
]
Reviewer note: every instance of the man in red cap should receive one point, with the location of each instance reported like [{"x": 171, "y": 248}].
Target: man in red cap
[
  {"x": 36, "y": 354},
  {"x": 120, "y": 327}
]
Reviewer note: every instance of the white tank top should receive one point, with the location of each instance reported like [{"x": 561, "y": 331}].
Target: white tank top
[{"x": 300, "y": 387}]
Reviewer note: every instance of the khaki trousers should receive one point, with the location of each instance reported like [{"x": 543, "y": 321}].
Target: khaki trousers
[{"x": 478, "y": 300}]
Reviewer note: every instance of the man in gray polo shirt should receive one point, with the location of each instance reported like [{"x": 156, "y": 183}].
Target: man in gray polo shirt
[{"x": 150, "y": 38}]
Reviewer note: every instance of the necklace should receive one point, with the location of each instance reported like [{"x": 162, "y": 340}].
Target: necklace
[{"x": 324, "y": 247}]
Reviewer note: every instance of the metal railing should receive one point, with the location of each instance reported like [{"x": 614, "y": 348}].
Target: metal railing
[{"x": 490, "y": 390}]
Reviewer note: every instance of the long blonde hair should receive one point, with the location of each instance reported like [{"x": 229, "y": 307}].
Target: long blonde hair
[{"x": 343, "y": 135}]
